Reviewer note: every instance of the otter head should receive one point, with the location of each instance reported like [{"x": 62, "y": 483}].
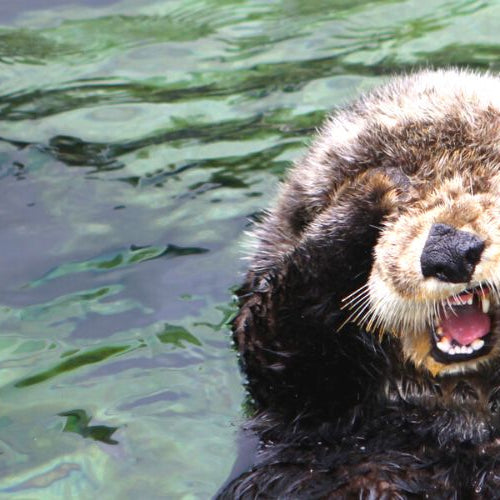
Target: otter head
[{"x": 435, "y": 281}]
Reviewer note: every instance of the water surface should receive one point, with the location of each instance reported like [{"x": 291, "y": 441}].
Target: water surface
[{"x": 138, "y": 139}]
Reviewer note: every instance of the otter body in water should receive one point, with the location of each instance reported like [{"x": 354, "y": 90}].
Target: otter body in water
[{"x": 369, "y": 320}]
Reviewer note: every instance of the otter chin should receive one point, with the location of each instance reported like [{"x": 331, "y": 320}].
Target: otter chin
[{"x": 369, "y": 319}]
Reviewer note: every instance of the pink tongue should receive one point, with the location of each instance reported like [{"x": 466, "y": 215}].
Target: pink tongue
[{"x": 466, "y": 324}]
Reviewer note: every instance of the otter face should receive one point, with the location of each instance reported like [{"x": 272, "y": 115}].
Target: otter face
[
  {"x": 435, "y": 281},
  {"x": 404, "y": 187}
]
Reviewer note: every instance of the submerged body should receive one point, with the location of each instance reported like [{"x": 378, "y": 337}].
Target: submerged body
[{"x": 369, "y": 322}]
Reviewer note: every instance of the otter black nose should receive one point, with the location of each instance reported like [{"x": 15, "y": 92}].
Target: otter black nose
[{"x": 450, "y": 254}]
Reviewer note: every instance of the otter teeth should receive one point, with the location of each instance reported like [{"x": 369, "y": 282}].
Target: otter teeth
[
  {"x": 485, "y": 303},
  {"x": 467, "y": 298},
  {"x": 464, "y": 349},
  {"x": 477, "y": 344},
  {"x": 445, "y": 345}
]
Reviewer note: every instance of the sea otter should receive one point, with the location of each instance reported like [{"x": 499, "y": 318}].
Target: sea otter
[{"x": 369, "y": 321}]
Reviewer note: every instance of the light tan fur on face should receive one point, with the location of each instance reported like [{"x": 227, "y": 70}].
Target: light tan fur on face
[{"x": 403, "y": 302}]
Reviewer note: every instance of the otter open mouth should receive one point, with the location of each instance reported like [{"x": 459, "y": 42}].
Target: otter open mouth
[{"x": 463, "y": 330}]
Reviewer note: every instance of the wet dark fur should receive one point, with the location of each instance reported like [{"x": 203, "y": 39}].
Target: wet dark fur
[{"x": 342, "y": 414}]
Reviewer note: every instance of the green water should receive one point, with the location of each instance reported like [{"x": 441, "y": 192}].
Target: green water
[{"x": 138, "y": 140}]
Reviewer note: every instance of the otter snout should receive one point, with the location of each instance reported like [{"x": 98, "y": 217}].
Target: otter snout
[{"x": 450, "y": 254}]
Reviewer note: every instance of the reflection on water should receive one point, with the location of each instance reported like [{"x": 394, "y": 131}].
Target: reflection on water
[
  {"x": 137, "y": 140},
  {"x": 78, "y": 421}
]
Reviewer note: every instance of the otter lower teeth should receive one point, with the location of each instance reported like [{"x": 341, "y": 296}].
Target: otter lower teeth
[
  {"x": 477, "y": 344},
  {"x": 446, "y": 346},
  {"x": 459, "y": 350}
]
